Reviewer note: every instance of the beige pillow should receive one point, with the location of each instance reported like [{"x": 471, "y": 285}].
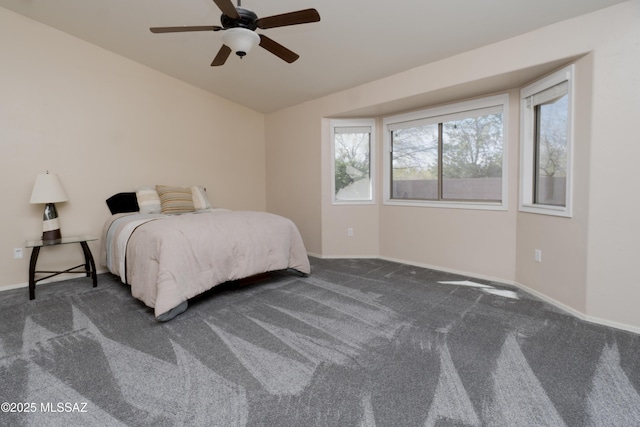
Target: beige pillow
[{"x": 174, "y": 200}]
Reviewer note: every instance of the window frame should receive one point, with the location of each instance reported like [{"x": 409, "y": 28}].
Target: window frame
[
  {"x": 433, "y": 113},
  {"x": 365, "y": 122},
  {"x": 529, "y": 146}
]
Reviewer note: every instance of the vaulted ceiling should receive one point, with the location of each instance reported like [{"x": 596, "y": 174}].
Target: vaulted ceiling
[{"x": 355, "y": 42}]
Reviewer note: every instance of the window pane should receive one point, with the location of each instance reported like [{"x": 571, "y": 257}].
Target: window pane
[
  {"x": 352, "y": 164},
  {"x": 551, "y": 152},
  {"x": 472, "y": 158},
  {"x": 414, "y": 163}
]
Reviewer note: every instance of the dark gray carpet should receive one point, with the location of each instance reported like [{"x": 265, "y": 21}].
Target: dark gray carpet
[{"x": 358, "y": 343}]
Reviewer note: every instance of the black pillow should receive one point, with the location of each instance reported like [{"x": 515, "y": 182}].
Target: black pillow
[{"x": 122, "y": 203}]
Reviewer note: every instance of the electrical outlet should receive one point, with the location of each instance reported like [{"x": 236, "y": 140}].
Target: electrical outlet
[
  {"x": 537, "y": 255},
  {"x": 349, "y": 232},
  {"x": 17, "y": 253}
]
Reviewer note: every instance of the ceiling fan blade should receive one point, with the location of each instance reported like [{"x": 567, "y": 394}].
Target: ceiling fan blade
[
  {"x": 222, "y": 56},
  {"x": 292, "y": 18},
  {"x": 157, "y": 30},
  {"x": 227, "y": 7},
  {"x": 277, "y": 49}
]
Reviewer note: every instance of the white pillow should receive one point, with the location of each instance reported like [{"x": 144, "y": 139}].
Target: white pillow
[
  {"x": 200, "y": 200},
  {"x": 148, "y": 200}
]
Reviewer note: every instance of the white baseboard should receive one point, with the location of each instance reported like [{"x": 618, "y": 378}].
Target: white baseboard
[
  {"x": 14, "y": 286},
  {"x": 580, "y": 315},
  {"x": 342, "y": 256},
  {"x": 569, "y": 310},
  {"x": 58, "y": 278},
  {"x": 449, "y": 270}
]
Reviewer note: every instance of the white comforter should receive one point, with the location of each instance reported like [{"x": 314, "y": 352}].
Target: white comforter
[{"x": 168, "y": 259}]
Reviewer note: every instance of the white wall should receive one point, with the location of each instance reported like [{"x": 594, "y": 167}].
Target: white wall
[
  {"x": 613, "y": 284},
  {"x": 105, "y": 124},
  {"x": 464, "y": 240},
  {"x": 562, "y": 275},
  {"x": 293, "y": 181},
  {"x": 588, "y": 260}
]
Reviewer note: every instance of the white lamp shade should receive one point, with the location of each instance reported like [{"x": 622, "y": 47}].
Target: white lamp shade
[
  {"x": 48, "y": 189},
  {"x": 240, "y": 39}
]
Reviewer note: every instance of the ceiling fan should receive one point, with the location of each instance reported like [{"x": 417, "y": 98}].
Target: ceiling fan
[{"x": 239, "y": 26}]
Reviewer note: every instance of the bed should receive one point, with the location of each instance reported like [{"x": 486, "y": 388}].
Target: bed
[{"x": 168, "y": 258}]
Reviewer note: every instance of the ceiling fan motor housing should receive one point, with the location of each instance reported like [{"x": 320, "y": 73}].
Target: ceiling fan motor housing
[{"x": 247, "y": 20}]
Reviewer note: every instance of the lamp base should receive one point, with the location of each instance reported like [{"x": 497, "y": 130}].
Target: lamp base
[
  {"x": 50, "y": 224},
  {"x": 51, "y": 236}
]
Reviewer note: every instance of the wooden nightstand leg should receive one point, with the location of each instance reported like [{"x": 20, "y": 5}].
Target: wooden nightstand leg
[
  {"x": 32, "y": 272},
  {"x": 90, "y": 265}
]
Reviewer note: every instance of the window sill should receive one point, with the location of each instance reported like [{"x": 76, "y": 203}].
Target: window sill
[
  {"x": 547, "y": 210},
  {"x": 352, "y": 202},
  {"x": 487, "y": 206}
]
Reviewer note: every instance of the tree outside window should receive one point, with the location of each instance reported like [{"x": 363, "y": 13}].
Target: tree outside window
[
  {"x": 456, "y": 157},
  {"x": 352, "y": 154},
  {"x": 551, "y": 152}
]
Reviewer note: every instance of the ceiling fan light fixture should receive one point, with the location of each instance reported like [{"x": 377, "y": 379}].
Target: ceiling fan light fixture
[{"x": 240, "y": 40}]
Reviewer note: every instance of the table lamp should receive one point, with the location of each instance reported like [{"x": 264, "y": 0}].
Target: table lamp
[{"x": 48, "y": 189}]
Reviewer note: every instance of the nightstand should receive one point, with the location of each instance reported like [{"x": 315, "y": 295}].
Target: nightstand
[{"x": 88, "y": 268}]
